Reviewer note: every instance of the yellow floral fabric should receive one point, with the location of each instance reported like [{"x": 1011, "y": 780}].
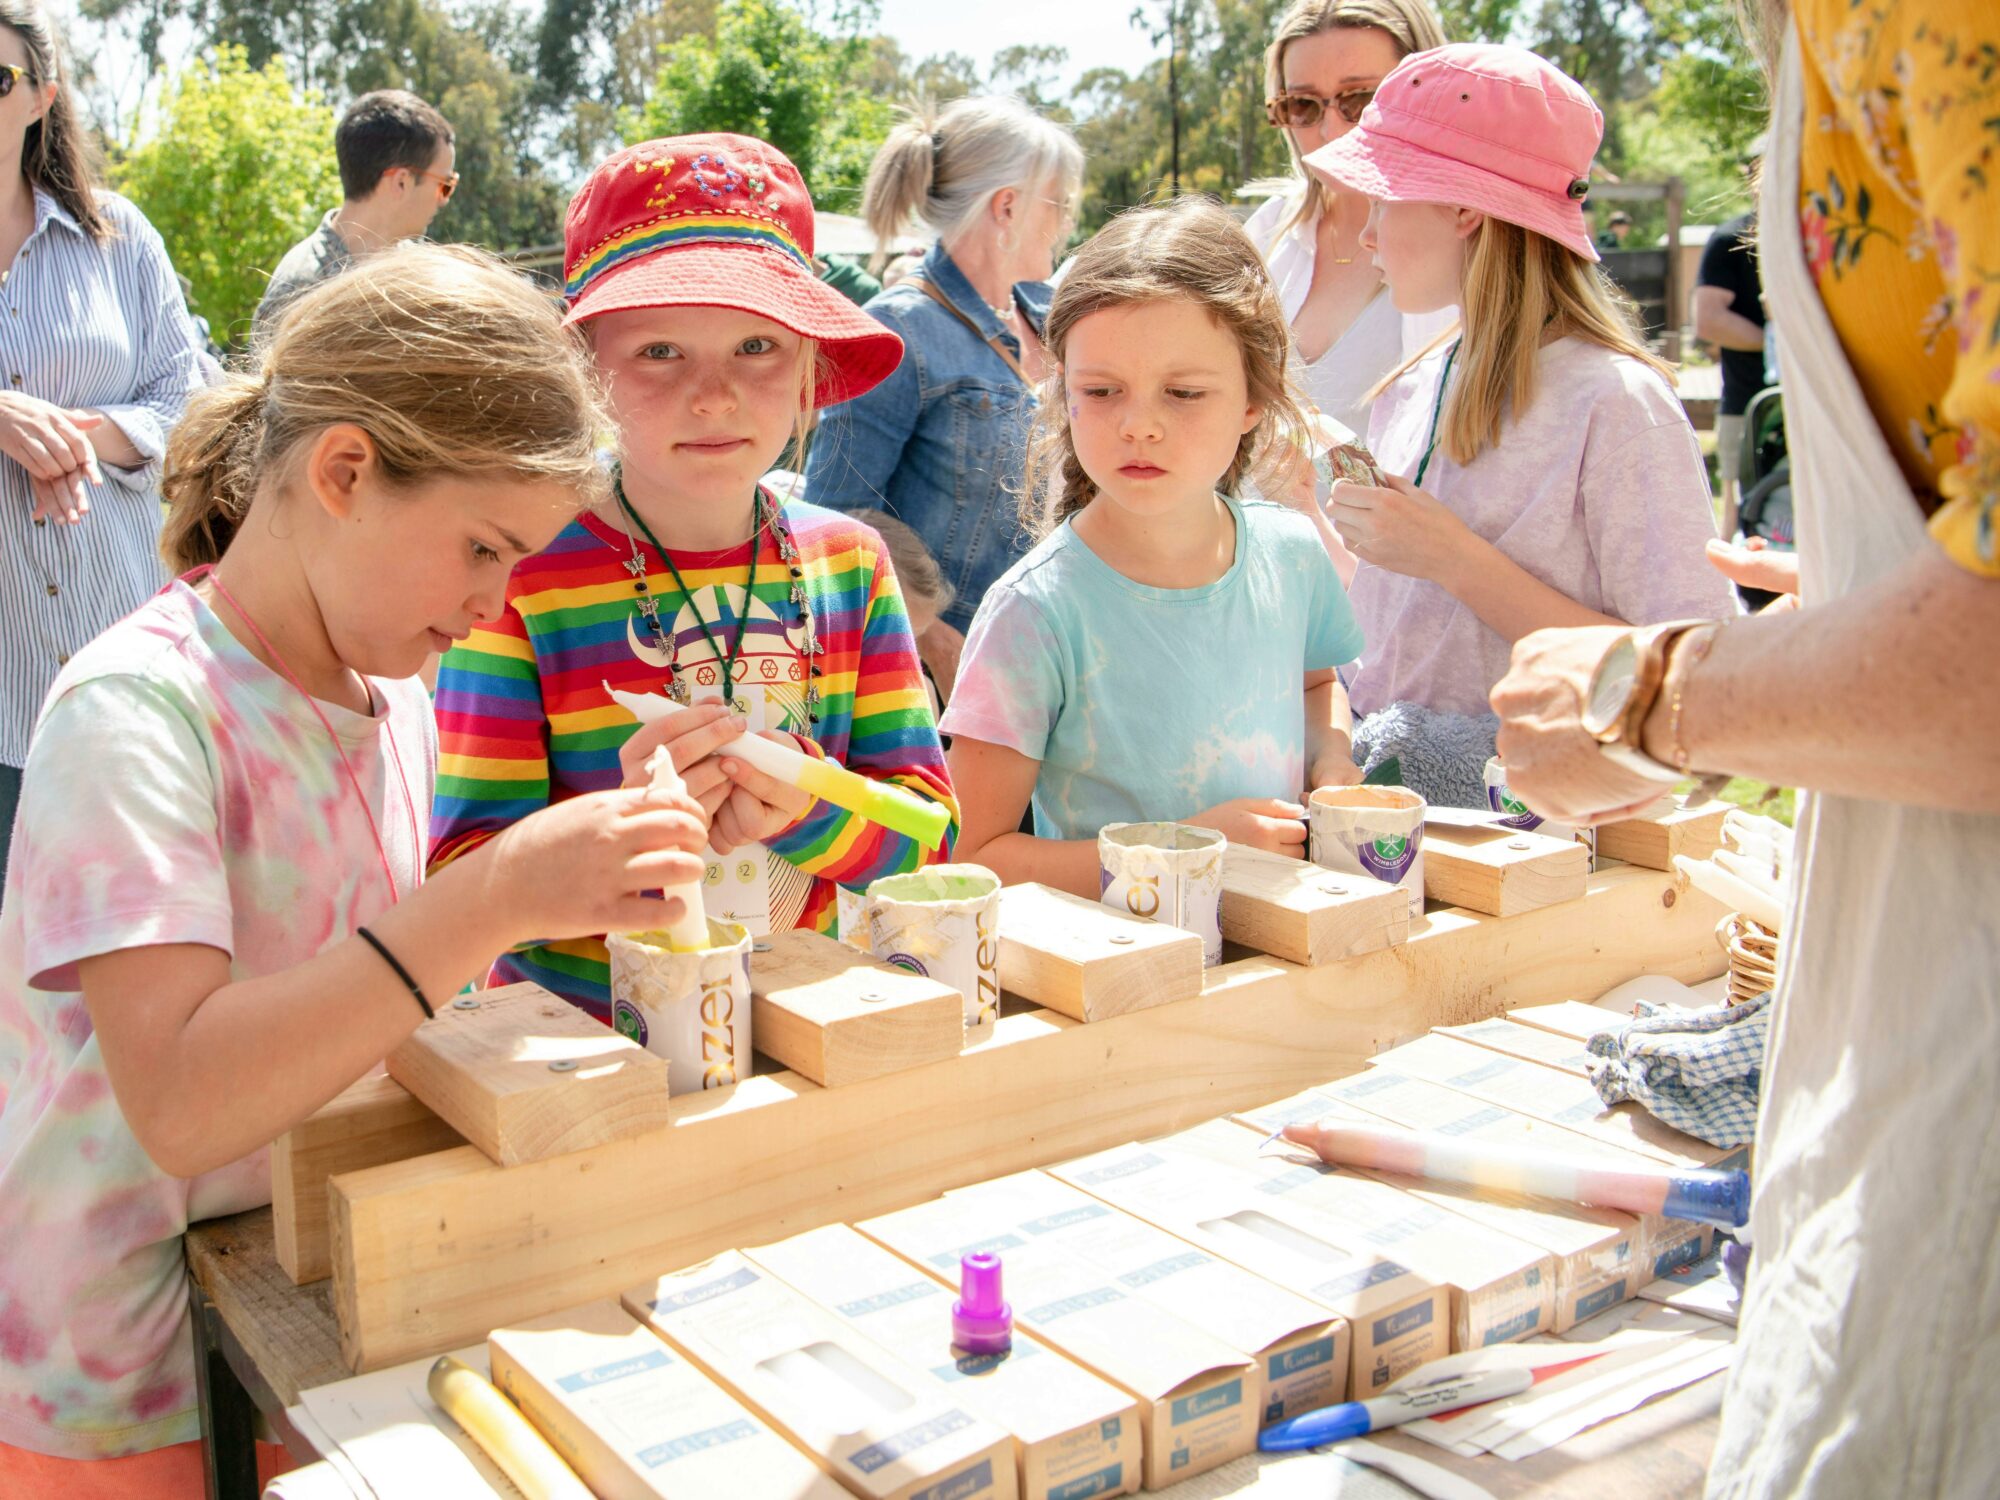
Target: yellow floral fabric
[{"x": 1900, "y": 212}]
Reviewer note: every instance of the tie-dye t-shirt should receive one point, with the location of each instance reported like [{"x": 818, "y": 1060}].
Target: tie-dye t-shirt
[
  {"x": 177, "y": 791},
  {"x": 1145, "y": 703}
]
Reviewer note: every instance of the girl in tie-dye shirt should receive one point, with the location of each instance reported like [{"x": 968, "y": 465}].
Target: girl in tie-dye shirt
[{"x": 226, "y": 785}]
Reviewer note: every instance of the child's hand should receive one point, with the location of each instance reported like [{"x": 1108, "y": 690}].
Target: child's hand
[
  {"x": 1755, "y": 564},
  {"x": 1399, "y": 528},
  {"x": 1336, "y": 768},
  {"x": 693, "y": 735},
  {"x": 754, "y": 806},
  {"x": 1258, "y": 823},
  {"x": 582, "y": 866}
]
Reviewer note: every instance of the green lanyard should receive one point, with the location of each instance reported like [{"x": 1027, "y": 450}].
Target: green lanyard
[
  {"x": 1437, "y": 410},
  {"x": 743, "y": 624}
]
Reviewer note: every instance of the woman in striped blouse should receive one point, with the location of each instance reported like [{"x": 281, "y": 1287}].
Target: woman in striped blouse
[{"x": 95, "y": 366}]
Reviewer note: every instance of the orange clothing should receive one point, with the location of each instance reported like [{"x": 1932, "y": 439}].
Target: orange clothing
[
  {"x": 170, "y": 1473},
  {"x": 1900, "y": 213}
]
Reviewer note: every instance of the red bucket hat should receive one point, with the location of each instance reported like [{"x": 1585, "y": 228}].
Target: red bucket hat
[
  {"x": 1493, "y": 128},
  {"x": 716, "y": 221}
]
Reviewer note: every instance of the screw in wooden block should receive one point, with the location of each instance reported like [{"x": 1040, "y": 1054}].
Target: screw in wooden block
[
  {"x": 1121, "y": 938},
  {"x": 1334, "y": 890},
  {"x": 465, "y": 1002},
  {"x": 563, "y": 1065},
  {"x": 760, "y": 947},
  {"x": 871, "y": 997},
  {"x": 1519, "y": 844}
]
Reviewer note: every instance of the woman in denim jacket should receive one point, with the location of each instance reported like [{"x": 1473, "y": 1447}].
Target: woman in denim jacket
[{"x": 941, "y": 443}]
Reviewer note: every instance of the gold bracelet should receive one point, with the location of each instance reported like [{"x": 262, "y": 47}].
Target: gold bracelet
[{"x": 1678, "y": 674}]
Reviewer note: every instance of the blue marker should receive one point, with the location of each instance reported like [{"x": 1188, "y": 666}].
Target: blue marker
[{"x": 1353, "y": 1419}]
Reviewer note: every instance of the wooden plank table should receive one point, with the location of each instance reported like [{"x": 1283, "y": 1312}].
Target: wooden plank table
[{"x": 273, "y": 1340}]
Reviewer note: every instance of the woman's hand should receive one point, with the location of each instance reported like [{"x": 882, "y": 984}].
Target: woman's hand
[
  {"x": 584, "y": 865},
  {"x": 50, "y": 443},
  {"x": 1400, "y": 528},
  {"x": 1553, "y": 763},
  {"x": 1258, "y": 823},
  {"x": 755, "y": 805},
  {"x": 1755, "y": 564}
]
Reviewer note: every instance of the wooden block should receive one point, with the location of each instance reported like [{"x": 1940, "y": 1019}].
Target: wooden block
[
  {"x": 430, "y": 1254},
  {"x": 1294, "y": 910},
  {"x": 1088, "y": 961},
  {"x": 494, "y": 1070},
  {"x": 836, "y": 1015},
  {"x": 375, "y": 1121},
  {"x": 1501, "y": 871},
  {"x": 1653, "y": 842}
]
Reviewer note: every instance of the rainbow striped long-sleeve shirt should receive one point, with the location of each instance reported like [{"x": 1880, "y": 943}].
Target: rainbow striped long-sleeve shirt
[{"x": 523, "y": 718}]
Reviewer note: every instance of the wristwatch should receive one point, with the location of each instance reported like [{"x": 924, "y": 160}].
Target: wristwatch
[{"x": 1622, "y": 693}]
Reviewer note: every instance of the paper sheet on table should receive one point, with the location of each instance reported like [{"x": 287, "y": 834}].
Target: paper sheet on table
[
  {"x": 346, "y": 1476},
  {"x": 1356, "y": 1470},
  {"x": 1703, "y": 1287},
  {"x": 1599, "y": 1370},
  {"x": 405, "y": 1448}
]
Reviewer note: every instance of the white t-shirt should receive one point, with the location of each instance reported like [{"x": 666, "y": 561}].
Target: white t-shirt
[{"x": 176, "y": 791}]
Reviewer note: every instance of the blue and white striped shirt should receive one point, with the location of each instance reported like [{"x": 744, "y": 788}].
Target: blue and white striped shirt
[{"x": 85, "y": 325}]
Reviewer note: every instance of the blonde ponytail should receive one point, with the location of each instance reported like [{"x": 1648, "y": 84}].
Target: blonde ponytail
[{"x": 453, "y": 365}]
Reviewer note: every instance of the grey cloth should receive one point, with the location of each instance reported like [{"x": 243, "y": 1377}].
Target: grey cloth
[
  {"x": 321, "y": 254},
  {"x": 1443, "y": 755}
]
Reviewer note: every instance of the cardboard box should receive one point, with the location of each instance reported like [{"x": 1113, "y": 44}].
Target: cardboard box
[
  {"x": 1198, "y": 1398},
  {"x": 1502, "y": 1289},
  {"x": 883, "y": 1429},
  {"x": 1075, "y": 1435},
  {"x": 1302, "y": 1347},
  {"x": 1399, "y": 1319},
  {"x": 1659, "y": 1243},
  {"x": 635, "y": 1420}
]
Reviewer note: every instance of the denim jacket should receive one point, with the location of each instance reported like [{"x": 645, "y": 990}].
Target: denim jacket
[{"x": 941, "y": 443}]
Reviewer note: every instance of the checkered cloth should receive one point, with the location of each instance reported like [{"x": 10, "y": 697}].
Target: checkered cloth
[{"x": 1698, "y": 1070}]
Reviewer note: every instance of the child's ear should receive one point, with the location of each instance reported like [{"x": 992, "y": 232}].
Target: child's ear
[
  {"x": 1252, "y": 415},
  {"x": 339, "y": 467}
]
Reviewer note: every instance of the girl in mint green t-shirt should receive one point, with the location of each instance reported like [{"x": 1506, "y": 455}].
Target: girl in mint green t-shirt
[{"x": 1166, "y": 652}]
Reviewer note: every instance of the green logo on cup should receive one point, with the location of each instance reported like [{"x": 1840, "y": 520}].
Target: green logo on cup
[{"x": 1391, "y": 849}]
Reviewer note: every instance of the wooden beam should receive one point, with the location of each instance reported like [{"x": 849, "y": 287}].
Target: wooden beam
[
  {"x": 431, "y": 1253},
  {"x": 375, "y": 1121},
  {"x": 1295, "y": 910},
  {"x": 1501, "y": 871},
  {"x": 837, "y": 1016},
  {"x": 1653, "y": 842},
  {"x": 522, "y": 1075},
  {"x": 1088, "y": 961}
]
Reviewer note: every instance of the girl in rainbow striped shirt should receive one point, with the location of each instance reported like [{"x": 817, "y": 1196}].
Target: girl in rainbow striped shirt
[{"x": 688, "y": 262}]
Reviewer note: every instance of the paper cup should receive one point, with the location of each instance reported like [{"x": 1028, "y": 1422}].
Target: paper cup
[
  {"x": 943, "y": 922},
  {"x": 1370, "y": 830},
  {"x": 693, "y": 1009},
  {"x": 1168, "y": 872},
  {"x": 1516, "y": 814},
  {"x": 851, "y": 913}
]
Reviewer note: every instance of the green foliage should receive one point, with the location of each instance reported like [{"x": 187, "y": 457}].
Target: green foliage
[
  {"x": 241, "y": 169},
  {"x": 768, "y": 73}
]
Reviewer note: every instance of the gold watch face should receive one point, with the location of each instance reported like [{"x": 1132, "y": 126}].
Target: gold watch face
[{"x": 1611, "y": 688}]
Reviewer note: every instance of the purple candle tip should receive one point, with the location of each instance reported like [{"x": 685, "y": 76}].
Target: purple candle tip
[{"x": 981, "y": 1320}]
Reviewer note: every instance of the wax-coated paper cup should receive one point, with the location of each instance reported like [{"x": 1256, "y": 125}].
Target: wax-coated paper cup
[
  {"x": 692, "y": 1008},
  {"x": 1370, "y": 830},
  {"x": 851, "y": 912},
  {"x": 1514, "y": 813},
  {"x": 1166, "y": 871},
  {"x": 942, "y": 922}
]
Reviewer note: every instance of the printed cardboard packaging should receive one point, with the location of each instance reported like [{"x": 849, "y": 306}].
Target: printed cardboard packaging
[
  {"x": 1399, "y": 1319},
  {"x": 884, "y": 1430},
  {"x": 1074, "y": 1434},
  {"x": 636, "y": 1420},
  {"x": 1198, "y": 1398},
  {"x": 1302, "y": 1347}
]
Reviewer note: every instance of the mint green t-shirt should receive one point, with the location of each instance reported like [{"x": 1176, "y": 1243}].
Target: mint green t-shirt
[{"x": 1150, "y": 704}]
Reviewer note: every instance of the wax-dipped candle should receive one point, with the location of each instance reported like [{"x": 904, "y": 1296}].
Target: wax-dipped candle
[
  {"x": 689, "y": 931},
  {"x": 1706, "y": 1195},
  {"x": 877, "y": 801}
]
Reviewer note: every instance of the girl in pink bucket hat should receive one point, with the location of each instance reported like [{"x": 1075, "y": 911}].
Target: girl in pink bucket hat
[
  {"x": 688, "y": 266},
  {"x": 1541, "y": 469}
]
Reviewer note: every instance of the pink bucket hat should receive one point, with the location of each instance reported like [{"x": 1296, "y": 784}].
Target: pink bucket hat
[{"x": 1493, "y": 128}]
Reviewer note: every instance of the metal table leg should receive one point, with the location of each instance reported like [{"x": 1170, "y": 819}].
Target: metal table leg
[{"x": 228, "y": 1416}]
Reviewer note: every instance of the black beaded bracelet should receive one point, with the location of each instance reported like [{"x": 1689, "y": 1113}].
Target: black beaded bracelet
[{"x": 401, "y": 972}]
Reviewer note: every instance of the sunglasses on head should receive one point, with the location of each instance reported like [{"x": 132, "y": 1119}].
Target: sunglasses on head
[
  {"x": 1295, "y": 109},
  {"x": 11, "y": 75},
  {"x": 446, "y": 185}
]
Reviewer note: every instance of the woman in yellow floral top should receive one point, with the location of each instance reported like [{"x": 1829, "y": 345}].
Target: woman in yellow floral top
[{"x": 1867, "y": 1355}]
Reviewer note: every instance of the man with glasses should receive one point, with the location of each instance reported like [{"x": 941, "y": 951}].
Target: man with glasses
[{"x": 396, "y": 159}]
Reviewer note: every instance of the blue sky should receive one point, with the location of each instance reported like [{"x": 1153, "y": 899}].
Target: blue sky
[{"x": 1096, "y": 33}]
